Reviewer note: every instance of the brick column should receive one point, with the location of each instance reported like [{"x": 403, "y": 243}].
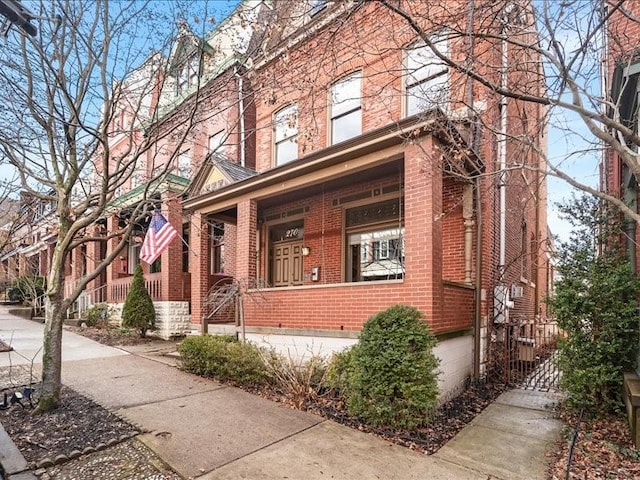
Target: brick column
[
  {"x": 93, "y": 260},
  {"x": 246, "y": 242},
  {"x": 423, "y": 227},
  {"x": 198, "y": 265},
  {"x": 113, "y": 269},
  {"x": 43, "y": 264},
  {"x": 172, "y": 256}
]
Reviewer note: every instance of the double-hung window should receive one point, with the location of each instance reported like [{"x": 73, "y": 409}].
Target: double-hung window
[
  {"x": 216, "y": 142},
  {"x": 426, "y": 77},
  {"x": 346, "y": 108},
  {"x": 187, "y": 75},
  {"x": 286, "y": 135},
  {"x": 184, "y": 164}
]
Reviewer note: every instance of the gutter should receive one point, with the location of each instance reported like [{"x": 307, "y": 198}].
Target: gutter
[{"x": 372, "y": 141}]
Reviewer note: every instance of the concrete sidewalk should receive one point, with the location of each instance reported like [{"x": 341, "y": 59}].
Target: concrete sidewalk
[{"x": 206, "y": 430}]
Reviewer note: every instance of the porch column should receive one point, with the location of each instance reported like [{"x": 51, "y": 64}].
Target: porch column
[
  {"x": 246, "y": 242},
  {"x": 43, "y": 262},
  {"x": 172, "y": 289},
  {"x": 115, "y": 267},
  {"x": 423, "y": 227},
  {"x": 198, "y": 265},
  {"x": 76, "y": 265},
  {"x": 93, "y": 260}
]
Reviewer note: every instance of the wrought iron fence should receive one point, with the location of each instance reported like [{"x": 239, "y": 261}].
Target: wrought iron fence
[{"x": 523, "y": 354}]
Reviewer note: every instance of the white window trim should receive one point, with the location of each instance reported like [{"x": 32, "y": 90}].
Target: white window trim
[
  {"x": 332, "y": 117},
  {"x": 292, "y": 137},
  {"x": 410, "y": 81}
]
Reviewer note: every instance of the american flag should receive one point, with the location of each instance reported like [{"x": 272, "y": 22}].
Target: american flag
[{"x": 159, "y": 236}]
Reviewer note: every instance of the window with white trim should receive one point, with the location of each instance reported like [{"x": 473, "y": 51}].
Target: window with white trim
[
  {"x": 346, "y": 108},
  {"x": 375, "y": 242},
  {"x": 216, "y": 142},
  {"x": 184, "y": 164},
  {"x": 426, "y": 77},
  {"x": 187, "y": 75},
  {"x": 286, "y": 135}
]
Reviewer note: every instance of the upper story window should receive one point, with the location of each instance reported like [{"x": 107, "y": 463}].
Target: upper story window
[
  {"x": 286, "y": 135},
  {"x": 216, "y": 142},
  {"x": 187, "y": 75},
  {"x": 625, "y": 95},
  {"x": 184, "y": 164},
  {"x": 427, "y": 79},
  {"x": 346, "y": 108},
  {"x": 524, "y": 255},
  {"x": 138, "y": 176},
  {"x": 317, "y": 6}
]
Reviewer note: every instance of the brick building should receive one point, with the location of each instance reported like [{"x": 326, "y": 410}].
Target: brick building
[
  {"x": 375, "y": 184},
  {"x": 336, "y": 167}
]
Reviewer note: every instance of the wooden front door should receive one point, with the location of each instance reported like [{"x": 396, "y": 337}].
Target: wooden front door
[{"x": 286, "y": 266}]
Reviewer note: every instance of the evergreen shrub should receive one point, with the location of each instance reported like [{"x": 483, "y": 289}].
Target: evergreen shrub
[
  {"x": 391, "y": 374},
  {"x": 224, "y": 358},
  {"x": 138, "y": 312}
]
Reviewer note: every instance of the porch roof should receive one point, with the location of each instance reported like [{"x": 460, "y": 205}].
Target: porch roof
[
  {"x": 434, "y": 123},
  {"x": 172, "y": 183}
]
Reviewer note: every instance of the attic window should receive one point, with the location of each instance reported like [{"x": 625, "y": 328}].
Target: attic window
[
  {"x": 187, "y": 75},
  {"x": 317, "y": 6}
]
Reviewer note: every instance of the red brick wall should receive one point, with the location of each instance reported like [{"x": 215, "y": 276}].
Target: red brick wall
[{"x": 453, "y": 254}]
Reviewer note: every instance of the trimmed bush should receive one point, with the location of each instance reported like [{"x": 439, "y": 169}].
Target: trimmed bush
[
  {"x": 223, "y": 358},
  {"x": 338, "y": 371},
  {"x": 26, "y": 289},
  {"x": 138, "y": 312},
  {"x": 391, "y": 375},
  {"x": 97, "y": 315}
]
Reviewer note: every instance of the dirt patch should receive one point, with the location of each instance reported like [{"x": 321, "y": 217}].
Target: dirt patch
[
  {"x": 603, "y": 450},
  {"x": 77, "y": 425},
  {"x": 111, "y": 336}
]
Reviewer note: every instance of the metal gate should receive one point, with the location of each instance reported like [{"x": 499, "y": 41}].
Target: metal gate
[{"x": 523, "y": 354}]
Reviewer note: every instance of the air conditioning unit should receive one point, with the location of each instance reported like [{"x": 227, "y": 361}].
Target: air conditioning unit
[{"x": 517, "y": 291}]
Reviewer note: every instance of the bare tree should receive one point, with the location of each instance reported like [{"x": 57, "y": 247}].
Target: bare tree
[
  {"x": 65, "y": 93},
  {"x": 578, "y": 43}
]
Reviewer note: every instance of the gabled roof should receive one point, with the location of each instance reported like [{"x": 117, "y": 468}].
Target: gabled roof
[
  {"x": 186, "y": 45},
  {"x": 217, "y": 172}
]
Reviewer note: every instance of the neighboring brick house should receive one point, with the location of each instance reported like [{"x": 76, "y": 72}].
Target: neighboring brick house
[
  {"x": 622, "y": 84},
  {"x": 201, "y": 109},
  {"x": 618, "y": 176},
  {"x": 374, "y": 187}
]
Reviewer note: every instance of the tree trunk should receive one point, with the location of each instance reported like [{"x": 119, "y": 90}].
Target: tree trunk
[
  {"x": 55, "y": 310},
  {"x": 51, "y": 358}
]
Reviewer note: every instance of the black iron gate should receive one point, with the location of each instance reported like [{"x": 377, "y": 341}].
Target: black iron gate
[{"x": 523, "y": 354}]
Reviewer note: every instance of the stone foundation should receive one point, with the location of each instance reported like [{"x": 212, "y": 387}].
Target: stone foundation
[
  {"x": 455, "y": 354},
  {"x": 172, "y": 318}
]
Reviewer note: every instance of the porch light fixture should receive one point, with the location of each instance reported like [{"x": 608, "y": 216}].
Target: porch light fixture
[{"x": 306, "y": 251}]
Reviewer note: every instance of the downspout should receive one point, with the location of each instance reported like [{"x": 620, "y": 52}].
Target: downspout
[
  {"x": 477, "y": 324},
  {"x": 242, "y": 113},
  {"x": 502, "y": 178},
  {"x": 477, "y": 320},
  {"x": 477, "y": 317}
]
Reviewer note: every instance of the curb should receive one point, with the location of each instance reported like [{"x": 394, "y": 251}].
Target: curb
[{"x": 13, "y": 466}]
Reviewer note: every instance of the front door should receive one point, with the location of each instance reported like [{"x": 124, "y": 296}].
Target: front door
[{"x": 286, "y": 267}]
